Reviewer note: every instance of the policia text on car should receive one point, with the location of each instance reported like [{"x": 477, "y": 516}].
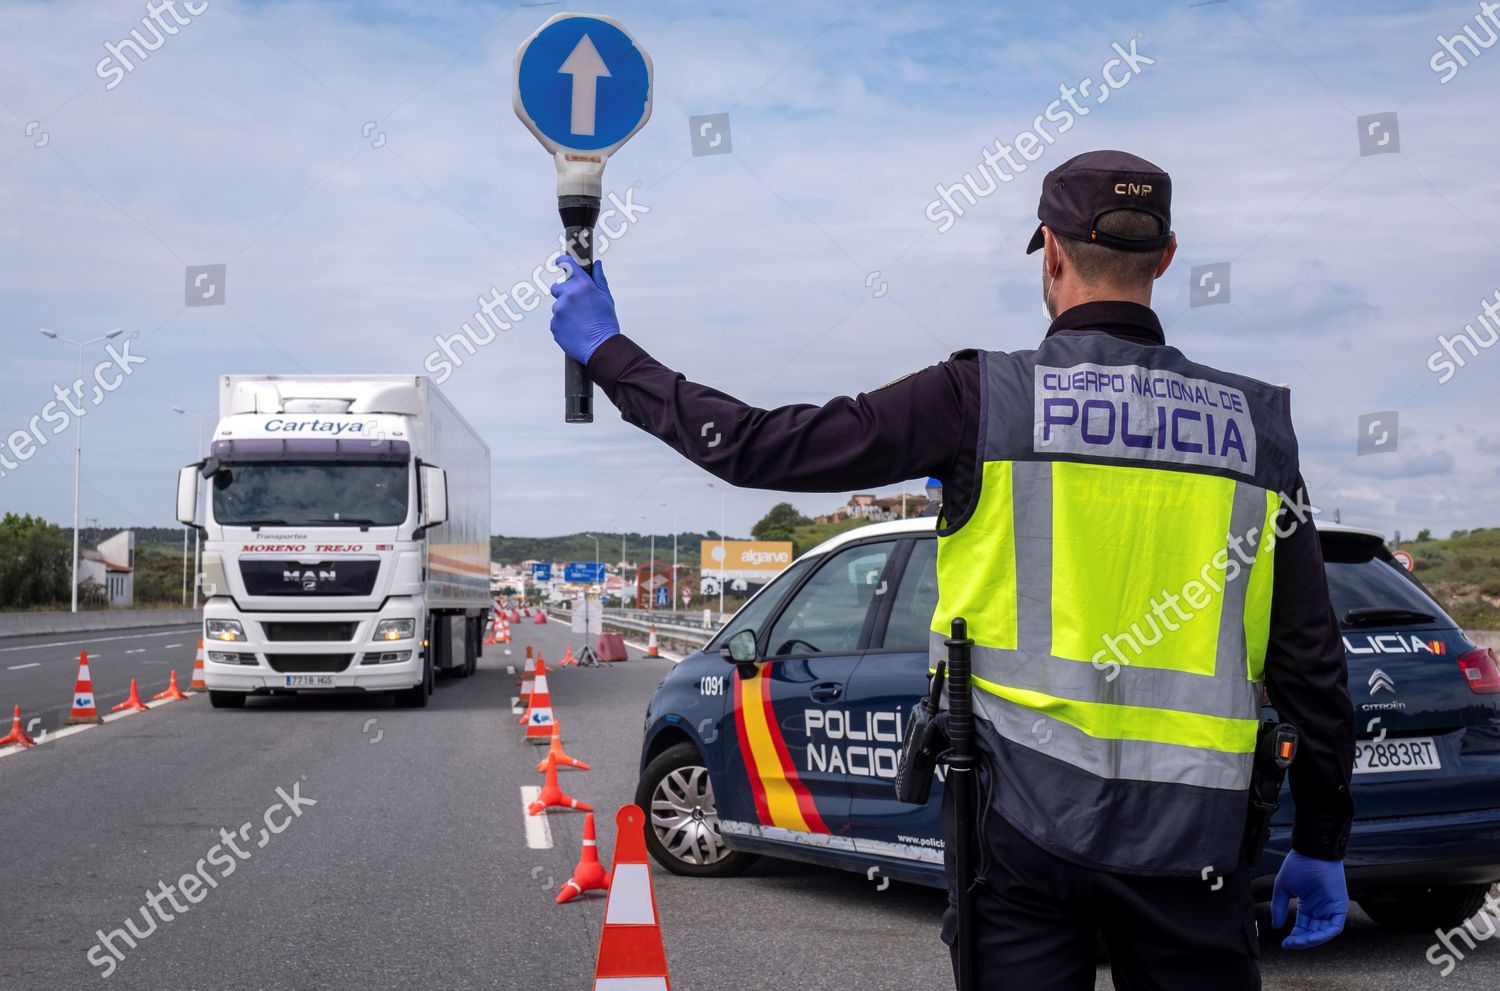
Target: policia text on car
[{"x": 1082, "y": 478}]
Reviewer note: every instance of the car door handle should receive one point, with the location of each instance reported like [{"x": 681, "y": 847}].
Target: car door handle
[{"x": 826, "y": 691}]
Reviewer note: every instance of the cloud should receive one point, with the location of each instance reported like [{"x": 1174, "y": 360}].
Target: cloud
[{"x": 240, "y": 142}]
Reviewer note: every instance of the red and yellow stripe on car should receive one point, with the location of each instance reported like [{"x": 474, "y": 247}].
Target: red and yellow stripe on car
[{"x": 781, "y": 799}]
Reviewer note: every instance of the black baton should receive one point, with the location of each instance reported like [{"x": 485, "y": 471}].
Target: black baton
[{"x": 961, "y": 781}]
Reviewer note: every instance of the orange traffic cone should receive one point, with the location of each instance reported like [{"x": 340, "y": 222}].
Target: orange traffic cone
[
  {"x": 552, "y": 797},
  {"x": 555, "y": 756},
  {"x": 651, "y": 649},
  {"x": 630, "y": 947},
  {"x": 133, "y": 703},
  {"x": 198, "y": 684},
  {"x": 568, "y": 661},
  {"x": 17, "y": 734},
  {"x": 83, "y": 695},
  {"x": 528, "y": 677},
  {"x": 589, "y": 875},
  {"x": 172, "y": 692},
  {"x": 538, "y": 718},
  {"x": 528, "y": 652},
  {"x": 489, "y": 636}
]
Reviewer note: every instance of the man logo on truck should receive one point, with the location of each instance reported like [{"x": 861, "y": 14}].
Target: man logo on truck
[{"x": 309, "y": 578}]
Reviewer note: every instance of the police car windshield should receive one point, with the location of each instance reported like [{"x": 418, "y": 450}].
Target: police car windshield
[
  {"x": 310, "y": 494},
  {"x": 1369, "y": 591},
  {"x": 753, "y": 614}
]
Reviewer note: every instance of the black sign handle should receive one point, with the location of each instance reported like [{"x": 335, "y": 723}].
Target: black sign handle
[{"x": 578, "y": 213}]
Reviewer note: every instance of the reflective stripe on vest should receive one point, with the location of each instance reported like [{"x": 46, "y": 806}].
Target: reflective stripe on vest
[{"x": 1119, "y": 598}]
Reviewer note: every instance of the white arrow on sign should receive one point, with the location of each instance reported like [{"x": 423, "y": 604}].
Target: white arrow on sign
[{"x": 586, "y": 68}]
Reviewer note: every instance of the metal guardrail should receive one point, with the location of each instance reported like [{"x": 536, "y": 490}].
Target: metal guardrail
[
  {"x": 692, "y": 619},
  {"x": 674, "y": 637},
  {"x": 93, "y": 621}
]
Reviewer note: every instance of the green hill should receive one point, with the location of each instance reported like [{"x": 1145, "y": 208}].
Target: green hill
[
  {"x": 580, "y": 547},
  {"x": 1463, "y": 571}
]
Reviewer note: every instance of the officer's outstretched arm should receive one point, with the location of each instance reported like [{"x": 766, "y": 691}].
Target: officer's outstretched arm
[{"x": 908, "y": 429}]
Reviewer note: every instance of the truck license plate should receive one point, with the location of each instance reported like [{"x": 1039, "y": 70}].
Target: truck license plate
[
  {"x": 309, "y": 681},
  {"x": 1417, "y": 753}
]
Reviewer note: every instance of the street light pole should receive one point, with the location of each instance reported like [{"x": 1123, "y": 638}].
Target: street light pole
[
  {"x": 78, "y": 441},
  {"x": 723, "y": 557},
  {"x": 672, "y": 601}
]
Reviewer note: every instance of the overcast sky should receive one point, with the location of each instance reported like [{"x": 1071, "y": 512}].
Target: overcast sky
[{"x": 801, "y": 265}]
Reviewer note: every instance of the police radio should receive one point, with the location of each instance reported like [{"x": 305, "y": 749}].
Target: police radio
[{"x": 921, "y": 745}]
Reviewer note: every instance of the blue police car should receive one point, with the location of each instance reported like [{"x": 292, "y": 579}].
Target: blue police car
[{"x": 794, "y": 755}]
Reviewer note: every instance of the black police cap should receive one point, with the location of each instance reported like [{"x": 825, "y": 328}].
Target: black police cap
[{"x": 1082, "y": 189}]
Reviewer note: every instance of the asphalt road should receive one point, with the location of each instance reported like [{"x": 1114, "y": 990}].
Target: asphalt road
[
  {"x": 38, "y": 672},
  {"x": 413, "y": 870}
]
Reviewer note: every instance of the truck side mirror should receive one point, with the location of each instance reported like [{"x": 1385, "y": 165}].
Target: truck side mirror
[
  {"x": 434, "y": 495},
  {"x": 187, "y": 496}
]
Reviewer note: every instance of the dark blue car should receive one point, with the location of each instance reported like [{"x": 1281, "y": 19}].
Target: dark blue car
[{"x": 794, "y": 755}]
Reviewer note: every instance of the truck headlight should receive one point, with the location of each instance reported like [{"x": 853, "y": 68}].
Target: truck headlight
[
  {"x": 223, "y": 629},
  {"x": 395, "y": 629}
]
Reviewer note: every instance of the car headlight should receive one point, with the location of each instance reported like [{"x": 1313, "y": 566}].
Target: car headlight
[
  {"x": 395, "y": 629},
  {"x": 223, "y": 629}
]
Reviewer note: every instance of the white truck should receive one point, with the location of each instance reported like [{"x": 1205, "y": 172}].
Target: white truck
[{"x": 346, "y": 530}]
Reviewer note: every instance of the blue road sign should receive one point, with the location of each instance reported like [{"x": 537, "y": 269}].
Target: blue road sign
[
  {"x": 541, "y": 573},
  {"x": 582, "y": 83},
  {"x": 583, "y": 571},
  {"x": 663, "y": 596}
]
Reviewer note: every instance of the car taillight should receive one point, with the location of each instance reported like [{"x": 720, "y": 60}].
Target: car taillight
[{"x": 1481, "y": 673}]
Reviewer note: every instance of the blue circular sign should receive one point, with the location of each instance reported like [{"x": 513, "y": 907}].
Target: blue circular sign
[{"x": 584, "y": 83}]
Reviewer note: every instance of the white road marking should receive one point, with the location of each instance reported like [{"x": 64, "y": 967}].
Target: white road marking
[
  {"x": 23, "y": 667},
  {"x": 170, "y": 646},
  {"x": 538, "y": 833},
  {"x": 74, "y": 643},
  {"x": 510, "y": 669},
  {"x": 138, "y": 650},
  {"x": 58, "y": 734},
  {"x": 515, "y": 706}
]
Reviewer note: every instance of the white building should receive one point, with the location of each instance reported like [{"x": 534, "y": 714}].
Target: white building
[{"x": 111, "y": 566}]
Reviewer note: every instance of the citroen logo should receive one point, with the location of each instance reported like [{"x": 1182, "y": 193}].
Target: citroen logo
[{"x": 1379, "y": 679}]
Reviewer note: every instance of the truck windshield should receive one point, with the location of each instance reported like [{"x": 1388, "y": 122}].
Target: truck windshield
[{"x": 283, "y": 494}]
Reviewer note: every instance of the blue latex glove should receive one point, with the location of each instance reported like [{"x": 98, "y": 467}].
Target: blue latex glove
[
  {"x": 1322, "y": 900},
  {"x": 583, "y": 317}
]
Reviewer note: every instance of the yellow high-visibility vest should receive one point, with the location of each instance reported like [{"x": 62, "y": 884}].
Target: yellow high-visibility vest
[{"x": 1115, "y": 571}]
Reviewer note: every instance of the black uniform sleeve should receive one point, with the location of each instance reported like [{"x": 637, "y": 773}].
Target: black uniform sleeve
[
  {"x": 1307, "y": 678},
  {"x": 920, "y": 425}
]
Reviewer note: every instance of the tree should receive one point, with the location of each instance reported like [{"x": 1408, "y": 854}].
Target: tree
[
  {"x": 1424, "y": 534},
  {"x": 779, "y": 523},
  {"x": 35, "y": 562}
]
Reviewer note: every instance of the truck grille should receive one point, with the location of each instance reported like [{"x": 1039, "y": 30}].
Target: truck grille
[
  {"x": 304, "y": 632},
  {"x": 308, "y": 663},
  {"x": 288, "y": 577}
]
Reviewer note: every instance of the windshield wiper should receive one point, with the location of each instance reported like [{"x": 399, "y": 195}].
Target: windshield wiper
[
  {"x": 359, "y": 521},
  {"x": 256, "y": 524},
  {"x": 1371, "y": 615}
]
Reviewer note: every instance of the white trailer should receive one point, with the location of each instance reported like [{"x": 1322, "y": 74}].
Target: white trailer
[{"x": 346, "y": 521}]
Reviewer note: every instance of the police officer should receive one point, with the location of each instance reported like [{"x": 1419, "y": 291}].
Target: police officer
[{"x": 1125, "y": 532}]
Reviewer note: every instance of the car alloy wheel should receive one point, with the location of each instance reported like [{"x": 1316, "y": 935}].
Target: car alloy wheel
[{"x": 684, "y": 817}]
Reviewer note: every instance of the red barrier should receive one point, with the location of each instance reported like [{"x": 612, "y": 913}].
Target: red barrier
[{"x": 611, "y": 647}]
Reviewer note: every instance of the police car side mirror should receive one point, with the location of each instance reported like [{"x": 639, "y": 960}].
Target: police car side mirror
[{"x": 740, "y": 649}]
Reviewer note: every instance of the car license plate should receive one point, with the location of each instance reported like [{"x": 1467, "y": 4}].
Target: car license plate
[
  {"x": 309, "y": 681},
  {"x": 1417, "y": 753}
]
